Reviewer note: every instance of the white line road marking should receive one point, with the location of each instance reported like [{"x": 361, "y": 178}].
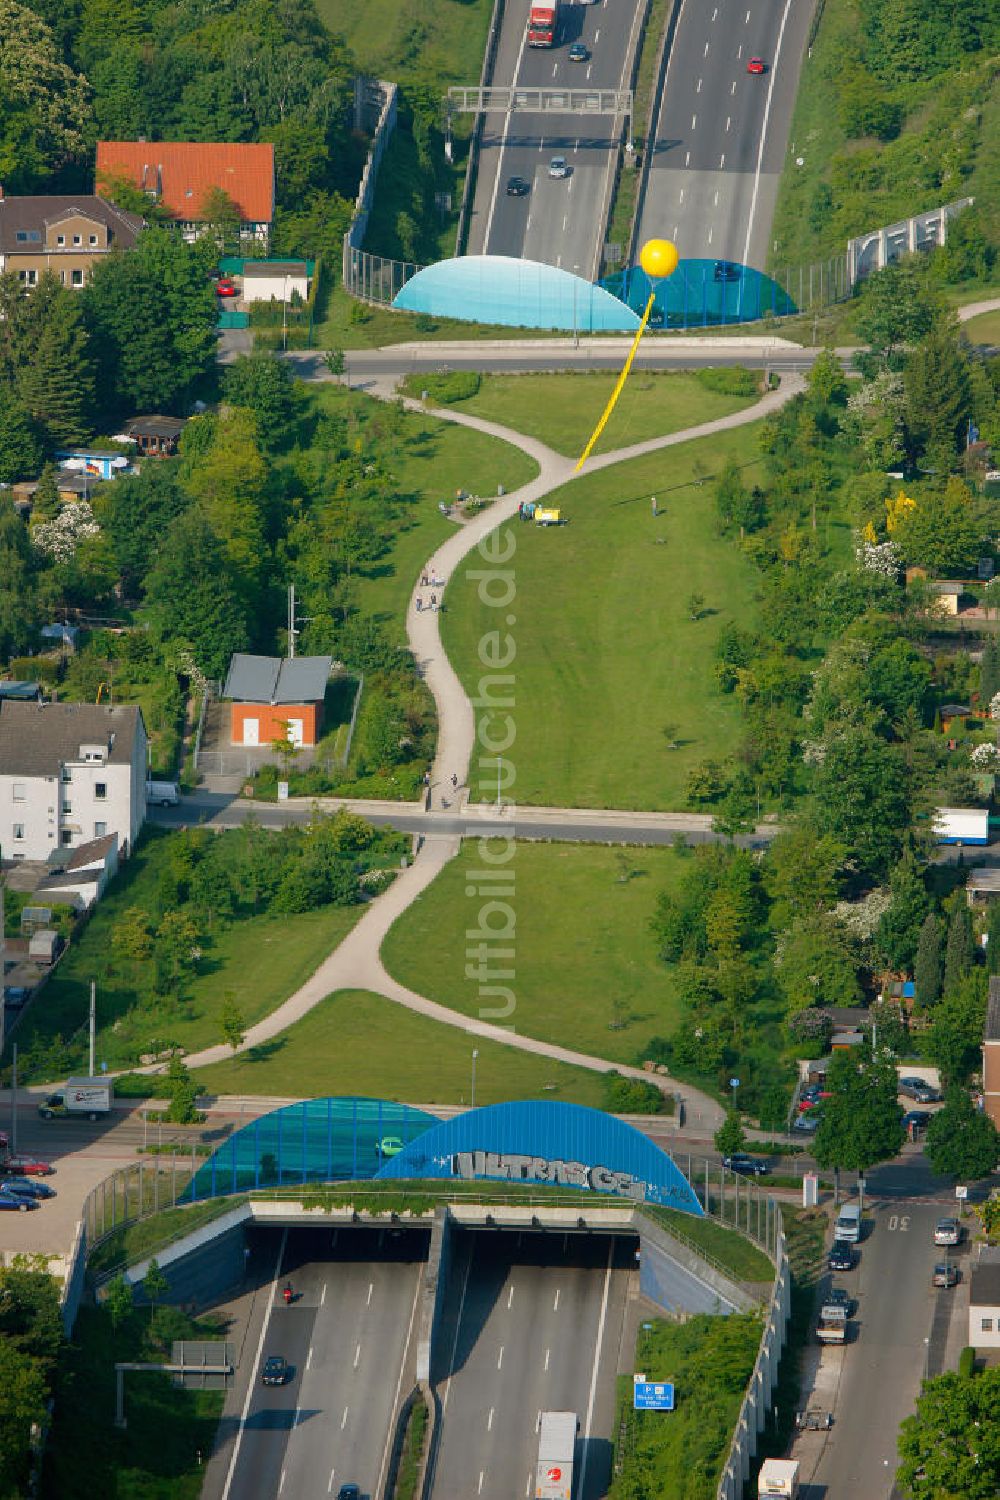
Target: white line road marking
[
  {"x": 722, "y": 161},
  {"x": 687, "y": 158},
  {"x": 593, "y": 1374},
  {"x": 710, "y": 233},
  {"x": 733, "y": 89},
  {"x": 500, "y": 1358},
  {"x": 528, "y": 224},
  {"x": 698, "y": 89},
  {"x": 309, "y": 1357},
  {"x": 295, "y": 1419},
  {"x": 694, "y": 121},
  {"x": 715, "y": 13},
  {"x": 399, "y": 1381},
  {"x": 489, "y": 1420},
  {"x": 588, "y": 72},
  {"x": 565, "y": 220},
  {"x": 747, "y": 21},
  {"x": 329, "y": 1488},
  {"x": 260, "y": 1350},
  {"x": 371, "y": 1288},
  {"x": 322, "y": 1295},
  {"x": 549, "y": 1351},
  {"x": 281, "y": 1482},
  {"x": 763, "y": 131},
  {"x": 675, "y": 232},
  {"x": 510, "y": 1297},
  {"x": 357, "y": 1356},
  {"x": 682, "y": 195},
  {"x": 729, "y": 121},
  {"x": 343, "y": 1420},
  {"x": 555, "y": 1305},
  {"x": 503, "y": 143},
  {"x": 597, "y": 36},
  {"x": 554, "y": 68},
  {"x": 739, "y": 54},
  {"x": 717, "y": 197},
  {"x": 527, "y": 1487},
  {"x": 480, "y": 1489},
  {"x": 705, "y": 54},
  {"x": 558, "y": 262}
]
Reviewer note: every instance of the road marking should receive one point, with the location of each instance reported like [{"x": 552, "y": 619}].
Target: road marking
[
  {"x": 710, "y": 233},
  {"x": 593, "y": 1374},
  {"x": 357, "y": 1356},
  {"x": 554, "y": 67},
  {"x": 295, "y": 1419},
  {"x": 682, "y": 195},
  {"x": 555, "y": 1305},
  {"x": 489, "y": 1420},
  {"x": 597, "y": 36},
  {"x": 549, "y": 1351},
  {"x": 399, "y": 1381},
  {"x": 343, "y": 1420},
  {"x": 480, "y": 1489},
  {"x": 371, "y": 1288},
  {"x": 565, "y": 221},
  {"x": 715, "y": 13},
  {"x": 739, "y": 53},
  {"x": 733, "y": 89},
  {"x": 722, "y": 161},
  {"x": 698, "y": 89},
  {"x": 503, "y": 143},
  {"x": 694, "y": 121},
  {"x": 281, "y": 1482},
  {"x": 763, "y": 131},
  {"x": 260, "y": 1349},
  {"x": 729, "y": 121},
  {"x": 322, "y": 1295},
  {"x": 329, "y": 1488},
  {"x": 705, "y": 54},
  {"x": 687, "y": 158},
  {"x": 500, "y": 1358},
  {"x": 309, "y": 1357},
  {"x": 588, "y": 72},
  {"x": 747, "y": 21},
  {"x": 527, "y": 1487},
  {"x": 675, "y": 231},
  {"x": 510, "y": 1297}
]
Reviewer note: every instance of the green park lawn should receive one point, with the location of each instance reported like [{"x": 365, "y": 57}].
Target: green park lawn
[
  {"x": 563, "y": 410},
  {"x": 358, "y": 1043},
  {"x": 587, "y": 974},
  {"x": 607, "y": 655},
  {"x": 983, "y": 330}
]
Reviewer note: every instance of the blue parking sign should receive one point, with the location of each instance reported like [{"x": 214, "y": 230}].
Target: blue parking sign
[{"x": 650, "y": 1395}]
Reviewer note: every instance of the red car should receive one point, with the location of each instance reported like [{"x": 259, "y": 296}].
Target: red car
[
  {"x": 226, "y": 287},
  {"x": 756, "y": 65},
  {"x": 26, "y": 1166}
]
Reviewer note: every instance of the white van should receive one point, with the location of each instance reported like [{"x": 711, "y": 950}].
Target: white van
[
  {"x": 848, "y": 1225},
  {"x": 163, "y": 793}
]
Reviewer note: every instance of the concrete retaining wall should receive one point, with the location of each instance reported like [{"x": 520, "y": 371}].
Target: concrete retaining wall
[{"x": 677, "y": 1279}]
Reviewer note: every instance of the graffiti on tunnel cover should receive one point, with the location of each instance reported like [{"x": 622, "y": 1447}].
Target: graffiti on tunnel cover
[{"x": 473, "y": 1164}]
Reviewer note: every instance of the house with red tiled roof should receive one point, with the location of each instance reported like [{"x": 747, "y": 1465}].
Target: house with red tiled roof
[{"x": 184, "y": 177}]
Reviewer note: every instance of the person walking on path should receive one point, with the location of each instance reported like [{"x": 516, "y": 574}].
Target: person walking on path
[{"x": 420, "y": 604}]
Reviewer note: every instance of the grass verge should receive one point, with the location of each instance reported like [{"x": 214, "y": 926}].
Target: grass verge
[
  {"x": 607, "y": 655},
  {"x": 132, "y": 1242},
  {"x": 413, "y": 1450},
  {"x": 729, "y": 1248}
]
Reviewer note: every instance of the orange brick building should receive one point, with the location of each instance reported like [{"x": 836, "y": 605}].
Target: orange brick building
[
  {"x": 991, "y": 1053},
  {"x": 271, "y": 697}
]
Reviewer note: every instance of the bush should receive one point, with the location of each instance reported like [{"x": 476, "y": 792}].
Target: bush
[
  {"x": 460, "y": 385},
  {"x": 634, "y": 1096},
  {"x": 725, "y": 381},
  {"x": 967, "y": 1362}
]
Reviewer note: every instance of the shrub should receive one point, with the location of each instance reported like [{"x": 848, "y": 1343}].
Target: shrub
[
  {"x": 967, "y": 1362},
  {"x": 634, "y": 1096},
  {"x": 725, "y": 381},
  {"x": 460, "y": 385}
]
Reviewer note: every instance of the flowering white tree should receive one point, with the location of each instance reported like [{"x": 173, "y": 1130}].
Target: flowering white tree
[
  {"x": 985, "y": 757},
  {"x": 881, "y": 558},
  {"x": 995, "y": 706},
  {"x": 60, "y": 537}
]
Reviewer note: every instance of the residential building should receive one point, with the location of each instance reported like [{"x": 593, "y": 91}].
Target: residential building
[
  {"x": 264, "y": 280},
  {"x": 63, "y": 234},
  {"x": 79, "y": 876},
  {"x": 984, "y": 1301},
  {"x": 69, "y": 773},
  {"x": 182, "y": 177},
  {"x": 271, "y": 697},
  {"x": 154, "y": 436},
  {"x": 991, "y": 1053}
]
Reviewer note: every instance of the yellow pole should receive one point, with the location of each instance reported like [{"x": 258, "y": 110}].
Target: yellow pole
[{"x": 618, "y": 388}]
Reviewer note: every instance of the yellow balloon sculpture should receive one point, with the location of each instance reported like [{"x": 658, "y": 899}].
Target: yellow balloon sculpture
[{"x": 658, "y": 258}]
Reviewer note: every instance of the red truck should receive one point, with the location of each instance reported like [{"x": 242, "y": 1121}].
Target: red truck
[{"x": 543, "y": 23}]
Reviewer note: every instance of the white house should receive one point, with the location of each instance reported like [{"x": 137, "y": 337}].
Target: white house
[
  {"x": 69, "y": 773},
  {"x": 264, "y": 280},
  {"x": 984, "y": 1302}
]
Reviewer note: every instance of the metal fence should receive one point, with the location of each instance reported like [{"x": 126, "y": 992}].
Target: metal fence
[
  {"x": 489, "y": 58},
  {"x": 354, "y": 238}
]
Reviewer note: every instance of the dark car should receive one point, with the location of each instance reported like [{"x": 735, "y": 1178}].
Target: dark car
[
  {"x": 806, "y": 1124},
  {"x": 756, "y": 65},
  {"x": 28, "y": 1186},
  {"x": 751, "y": 1166},
  {"x": 945, "y": 1274},
  {"x": 727, "y": 270},
  {"x": 517, "y": 187},
  {"x": 349, "y": 1492},
  {"x": 839, "y": 1296},
  {"x": 276, "y": 1370},
  {"x": 919, "y": 1089},
  {"x": 917, "y": 1119},
  {"x": 579, "y": 52},
  {"x": 841, "y": 1258},
  {"x": 21, "y": 1202},
  {"x": 26, "y": 1166}
]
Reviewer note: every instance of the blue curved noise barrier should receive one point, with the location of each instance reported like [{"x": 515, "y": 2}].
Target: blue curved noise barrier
[
  {"x": 515, "y": 293},
  {"x": 702, "y": 294}
]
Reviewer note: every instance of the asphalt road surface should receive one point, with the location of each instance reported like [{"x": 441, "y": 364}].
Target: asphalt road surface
[
  {"x": 892, "y": 1350},
  {"x": 345, "y": 1336},
  {"x": 532, "y": 1323},
  {"x": 721, "y": 133},
  {"x": 559, "y": 222}
]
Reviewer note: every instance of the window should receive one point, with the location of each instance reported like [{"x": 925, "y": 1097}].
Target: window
[
  {"x": 100, "y": 829},
  {"x": 67, "y": 806},
  {"x": 19, "y": 793},
  {"x": 986, "y": 1326},
  {"x": 28, "y": 278},
  {"x": 60, "y": 239},
  {"x": 78, "y": 278},
  {"x": 67, "y": 775},
  {"x": 93, "y": 239},
  {"x": 27, "y": 236},
  {"x": 67, "y": 836},
  {"x": 19, "y": 830},
  {"x": 78, "y": 239},
  {"x": 100, "y": 790}
]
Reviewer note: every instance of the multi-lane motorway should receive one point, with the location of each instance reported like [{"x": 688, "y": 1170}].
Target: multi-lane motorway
[
  {"x": 719, "y": 140},
  {"x": 559, "y": 221}
]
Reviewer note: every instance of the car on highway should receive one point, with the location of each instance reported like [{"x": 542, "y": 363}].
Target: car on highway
[
  {"x": 518, "y": 187},
  {"x": 756, "y": 65},
  {"x": 945, "y": 1274},
  {"x": 17, "y": 1202},
  {"x": 559, "y": 167},
  {"x": 26, "y": 1166},
  {"x": 728, "y": 270},
  {"x": 349, "y": 1492},
  {"x": 276, "y": 1370},
  {"x": 947, "y": 1232},
  {"x": 388, "y": 1146},
  {"x": 917, "y": 1119},
  {"x": 750, "y": 1166},
  {"x": 919, "y": 1089},
  {"x": 28, "y": 1186},
  {"x": 579, "y": 52},
  {"x": 226, "y": 287},
  {"x": 841, "y": 1258}
]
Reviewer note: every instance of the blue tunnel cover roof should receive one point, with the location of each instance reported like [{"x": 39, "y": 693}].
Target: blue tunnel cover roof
[{"x": 548, "y": 1143}]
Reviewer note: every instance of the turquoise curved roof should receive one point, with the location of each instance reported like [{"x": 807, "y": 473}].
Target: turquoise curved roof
[{"x": 516, "y": 293}]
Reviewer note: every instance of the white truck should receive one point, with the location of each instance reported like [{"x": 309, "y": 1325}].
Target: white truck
[
  {"x": 556, "y": 1442},
  {"x": 81, "y": 1096},
  {"x": 779, "y": 1477},
  {"x": 832, "y": 1326}
]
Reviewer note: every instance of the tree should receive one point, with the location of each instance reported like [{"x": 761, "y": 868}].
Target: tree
[
  {"x": 989, "y": 664},
  {"x": 175, "y": 950},
  {"x": 927, "y": 964},
  {"x": 265, "y": 384},
  {"x": 20, "y": 442},
  {"x": 136, "y": 512},
  {"x": 334, "y": 360},
  {"x": 803, "y": 872},
  {"x": 44, "y": 118},
  {"x": 183, "y": 1092},
  {"x": 962, "y": 1141},
  {"x": 942, "y": 531},
  {"x": 960, "y": 949},
  {"x": 45, "y": 503},
  {"x": 954, "y": 1041},
  {"x": 899, "y": 930},
  {"x": 938, "y": 395},
  {"x": 222, "y": 219},
  {"x": 993, "y": 938},
  {"x": 898, "y": 306},
  {"x": 228, "y": 478},
  {"x": 861, "y": 797},
  {"x": 816, "y": 965},
  {"x": 951, "y": 1446},
  {"x": 862, "y": 1123},
  {"x": 193, "y": 596},
  {"x": 23, "y": 1393},
  {"x": 57, "y": 387},
  {"x": 233, "y": 1022},
  {"x": 730, "y": 1136},
  {"x": 695, "y": 606},
  {"x": 826, "y": 381},
  {"x": 154, "y": 1284},
  {"x": 20, "y": 597},
  {"x": 118, "y": 1300}
]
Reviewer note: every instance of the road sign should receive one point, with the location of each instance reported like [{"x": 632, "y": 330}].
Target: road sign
[
  {"x": 649, "y": 1395},
  {"x": 961, "y": 1192},
  {"x": 734, "y": 1083}
]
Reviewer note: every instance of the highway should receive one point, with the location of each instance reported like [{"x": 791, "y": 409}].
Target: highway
[
  {"x": 721, "y": 133},
  {"x": 532, "y": 1323},
  {"x": 346, "y": 1336},
  {"x": 559, "y": 222}
]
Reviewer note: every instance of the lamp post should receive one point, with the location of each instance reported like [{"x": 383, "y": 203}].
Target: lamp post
[
  {"x": 576, "y": 330},
  {"x": 475, "y": 1054}
]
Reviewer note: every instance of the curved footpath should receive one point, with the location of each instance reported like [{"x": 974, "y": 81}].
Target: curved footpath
[{"x": 357, "y": 963}]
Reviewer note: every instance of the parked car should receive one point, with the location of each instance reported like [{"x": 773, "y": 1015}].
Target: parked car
[
  {"x": 276, "y": 1370},
  {"x": 917, "y": 1119},
  {"x": 518, "y": 187},
  {"x": 226, "y": 287},
  {"x": 28, "y": 1186},
  {"x": 751, "y": 1166},
  {"x": 19, "y": 1202},
  {"x": 945, "y": 1274},
  {"x": 27, "y": 1166},
  {"x": 841, "y": 1258},
  {"x": 919, "y": 1089},
  {"x": 839, "y": 1296},
  {"x": 947, "y": 1232},
  {"x": 579, "y": 52},
  {"x": 806, "y": 1124},
  {"x": 756, "y": 65},
  {"x": 558, "y": 167},
  {"x": 16, "y": 994}
]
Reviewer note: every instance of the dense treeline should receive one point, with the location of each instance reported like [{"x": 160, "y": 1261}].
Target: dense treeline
[
  {"x": 31, "y": 1340},
  {"x": 77, "y": 71}
]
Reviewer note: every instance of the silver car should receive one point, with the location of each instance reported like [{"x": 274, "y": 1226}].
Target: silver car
[{"x": 558, "y": 167}]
